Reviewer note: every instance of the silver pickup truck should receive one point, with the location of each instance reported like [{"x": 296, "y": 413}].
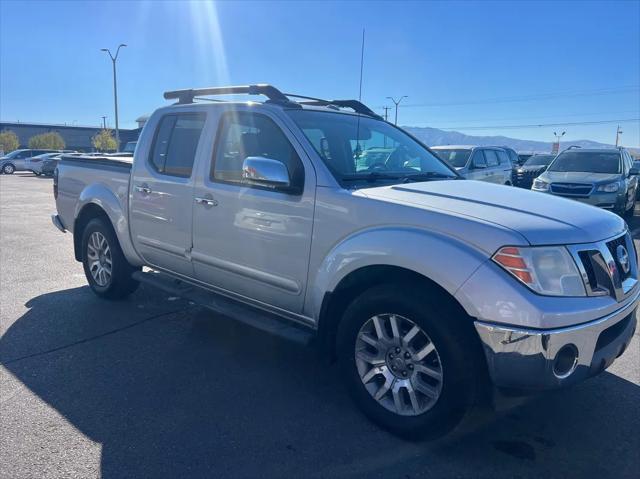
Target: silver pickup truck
[{"x": 425, "y": 287}]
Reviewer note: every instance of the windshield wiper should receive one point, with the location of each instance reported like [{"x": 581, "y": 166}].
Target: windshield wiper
[
  {"x": 431, "y": 175},
  {"x": 371, "y": 177}
]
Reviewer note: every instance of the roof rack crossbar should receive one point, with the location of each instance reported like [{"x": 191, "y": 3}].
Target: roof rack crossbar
[
  {"x": 355, "y": 105},
  {"x": 187, "y": 96}
]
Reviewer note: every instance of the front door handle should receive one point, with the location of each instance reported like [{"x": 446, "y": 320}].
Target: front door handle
[
  {"x": 143, "y": 189},
  {"x": 206, "y": 201}
]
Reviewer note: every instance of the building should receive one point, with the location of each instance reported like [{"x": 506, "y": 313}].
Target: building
[{"x": 75, "y": 137}]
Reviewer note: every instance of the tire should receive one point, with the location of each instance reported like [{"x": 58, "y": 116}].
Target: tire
[
  {"x": 630, "y": 212},
  {"x": 457, "y": 357},
  {"x": 113, "y": 283},
  {"x": 8, "y": 169}
]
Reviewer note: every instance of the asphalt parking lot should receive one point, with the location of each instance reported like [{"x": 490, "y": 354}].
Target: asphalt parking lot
[{"x": 156, "y": 387}]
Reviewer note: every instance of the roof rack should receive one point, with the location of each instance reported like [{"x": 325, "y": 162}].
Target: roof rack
[
  {"x": 272, "y": 93},
  {"x": 187, "y": 96}
]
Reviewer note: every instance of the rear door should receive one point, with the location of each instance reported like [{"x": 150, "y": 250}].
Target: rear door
[
  {"x": 162, "y": 191},
  {"x": 505, "y": 166},
  {"x": 251, "y": 241},
  {"x": 494, "y": 170}
]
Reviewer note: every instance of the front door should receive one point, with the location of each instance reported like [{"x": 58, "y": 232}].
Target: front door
[
  {"x": 162, "y": 191},
  {"x": 248, "y": 240}
]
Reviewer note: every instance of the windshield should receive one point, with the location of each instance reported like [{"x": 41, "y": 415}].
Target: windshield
[
  {"x": 539, "y": 160},
  {"x": 356, "y": 147},
  {"x": 455, "y": 157},
  {"x": 588, "y": 162}
]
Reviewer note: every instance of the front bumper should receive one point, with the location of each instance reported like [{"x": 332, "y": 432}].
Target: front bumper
[
  {"x": 533, "y": 359},
  {"x": 607, "y": 201}
]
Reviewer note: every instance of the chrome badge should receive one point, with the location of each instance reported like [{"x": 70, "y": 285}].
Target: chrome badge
[{"x": 623, "y": 258}]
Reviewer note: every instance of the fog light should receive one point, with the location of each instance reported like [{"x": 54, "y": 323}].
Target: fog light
[{"x": 566, "y": 361}]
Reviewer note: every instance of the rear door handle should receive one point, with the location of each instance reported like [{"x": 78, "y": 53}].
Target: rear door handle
[
  {"x": 143, "y": 189},
  {"x": 206, "y": 201}
]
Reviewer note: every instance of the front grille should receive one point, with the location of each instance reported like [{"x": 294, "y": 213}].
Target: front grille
[
  {"x": 601, "y": 269},
  {"x": 571, "y": 189},
  {"x": 613, "y": 249}
]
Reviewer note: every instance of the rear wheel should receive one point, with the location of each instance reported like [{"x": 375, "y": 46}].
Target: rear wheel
[
  {"x": 8, "y": 169},
  {"x": 106, "y": 268},
  {"x": 409, "y": 363}
]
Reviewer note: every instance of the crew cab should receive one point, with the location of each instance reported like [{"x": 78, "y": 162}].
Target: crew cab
[{"x": 425, "y": 287}]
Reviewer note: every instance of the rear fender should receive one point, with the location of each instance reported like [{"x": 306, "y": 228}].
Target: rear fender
[{"x": 115, "y": 208}]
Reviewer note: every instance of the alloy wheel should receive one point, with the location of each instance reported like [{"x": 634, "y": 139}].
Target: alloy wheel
[
  {"x": 99, "y": 259},
  {"x": 398, "y": 364}
]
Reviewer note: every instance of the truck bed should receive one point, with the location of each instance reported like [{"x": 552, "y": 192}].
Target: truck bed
[{"x": 92, "y": 176}]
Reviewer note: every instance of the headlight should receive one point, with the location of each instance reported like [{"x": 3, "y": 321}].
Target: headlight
[
  {"x": 540, "y": 185},
  {"x": 610, "y": 187},
  {"x": 547, "y": 270}
]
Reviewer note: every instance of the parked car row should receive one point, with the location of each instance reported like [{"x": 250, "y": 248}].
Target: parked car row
[
  {"x": 29, "y": 160},
  {"x": 44, "y": 162},
  {"x": 606, "y": 178}
]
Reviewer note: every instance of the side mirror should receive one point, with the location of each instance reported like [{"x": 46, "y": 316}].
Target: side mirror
[
  {"x": 634, "y": 171},
  {"x": 267, "y": 172}
]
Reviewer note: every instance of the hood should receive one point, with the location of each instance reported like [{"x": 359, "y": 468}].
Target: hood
[
  {"x": 579, "y": 177},
  {"x": 539, "y": 217},
  {"x": 531, "y": 168}
]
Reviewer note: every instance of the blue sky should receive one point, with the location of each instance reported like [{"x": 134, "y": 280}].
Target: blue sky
[{"x": 462, "y": 64}]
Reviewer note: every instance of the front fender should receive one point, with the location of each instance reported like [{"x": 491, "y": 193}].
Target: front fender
[
  {"x": 115, "y": 206},
  {"x": 447, "y": 261}
]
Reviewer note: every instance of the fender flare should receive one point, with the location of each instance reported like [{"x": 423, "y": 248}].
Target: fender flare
[{"x": 101, "y": 196}]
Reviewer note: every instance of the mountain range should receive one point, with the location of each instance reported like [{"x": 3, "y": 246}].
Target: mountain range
[{"x": 436, "y": 137}]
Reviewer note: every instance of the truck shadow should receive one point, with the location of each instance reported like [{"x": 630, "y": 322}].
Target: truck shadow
[{"x": 168, "y": 390}]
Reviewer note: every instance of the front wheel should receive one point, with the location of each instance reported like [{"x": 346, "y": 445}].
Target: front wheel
[
  {"x": 107, "y": 270},
  {"x": 410, "y": 366},
  {"x": 8, "y": 169}
]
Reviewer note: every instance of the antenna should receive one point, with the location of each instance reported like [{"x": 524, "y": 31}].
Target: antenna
[{"x": 361, "y": 66}]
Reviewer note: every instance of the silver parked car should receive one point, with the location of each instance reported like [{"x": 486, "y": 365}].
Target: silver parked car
[
  {"x": 483, "y": 163},
  {"x": 18, "y": 160},
  {"x": 600, "y": 177}
]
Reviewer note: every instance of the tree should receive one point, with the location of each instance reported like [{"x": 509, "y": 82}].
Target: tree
[
  {"x": 104, "y": 141},
  {"x": 47, "y": 141},
  {"x": 8, "y": 141}
]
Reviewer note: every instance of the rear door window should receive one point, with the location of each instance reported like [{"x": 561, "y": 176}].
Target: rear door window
[
  {"x": 503, "y": 157},
  {"x": 176, "y": 142},
  {"x": 491, "y": 158}
]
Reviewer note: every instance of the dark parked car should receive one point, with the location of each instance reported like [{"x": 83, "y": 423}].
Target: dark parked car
[
  {"x": 49, "y": 165},
  {"x": 531, "y": 169},
  {"x": 523, "y": 157}
]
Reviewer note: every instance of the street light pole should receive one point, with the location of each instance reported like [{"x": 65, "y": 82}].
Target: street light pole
[
  {"x": 397, "y": 103},
  {"x": 115, "y": 87},
  {"x": 104, "y": 122},
  {"x": 558, "y": 141},
  {"x": 618, "y": 133}
]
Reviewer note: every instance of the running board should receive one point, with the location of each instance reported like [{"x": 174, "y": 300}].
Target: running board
[{"x": 249, "y": 315}]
